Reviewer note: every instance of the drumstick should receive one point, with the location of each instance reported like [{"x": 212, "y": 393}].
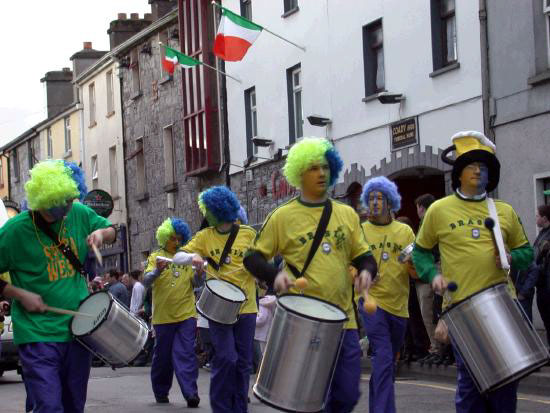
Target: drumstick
[
  {"x": 69, "y": 312},
  {"x": 98, "y": 255}
]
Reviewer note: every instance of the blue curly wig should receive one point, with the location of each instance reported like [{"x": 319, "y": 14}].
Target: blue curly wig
[
  {"x": 221, "y": 203},
  {"x": 387, "y": 187},
  {"x": 171, "y": 226},
  {"x": 242, "y": 216},
  {"x": 78, "y": 177},
  {"x": 182, "y": 229}
]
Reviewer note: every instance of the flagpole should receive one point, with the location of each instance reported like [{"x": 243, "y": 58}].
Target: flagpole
[
  {"x": 210, "y": 67},
  {"x": 269, "y": 31}
]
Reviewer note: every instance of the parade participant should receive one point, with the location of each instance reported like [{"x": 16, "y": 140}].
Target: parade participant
[
  {"x": 233, "y": 344},
  {"x": 386, "y": 327},
  {"x": 456, "y": 224},
  {"x": 55, "y": 367},
  {"x": 313, "y": 166},
  {"x": 174, "y": 315}
]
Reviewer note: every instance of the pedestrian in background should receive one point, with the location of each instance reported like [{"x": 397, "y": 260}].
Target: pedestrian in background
[
  {"x": 138, "y": 291},
  {"x": 116, "y": 288}
]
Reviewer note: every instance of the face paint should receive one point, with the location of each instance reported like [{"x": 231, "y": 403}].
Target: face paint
[
  {"x": 378, "y": 204},
  {"x": 173, "y": 243},
  {"x": 59, "y": 212},
  {"x": 474, "y": 178},
  {"x": 212, "y": 220}
]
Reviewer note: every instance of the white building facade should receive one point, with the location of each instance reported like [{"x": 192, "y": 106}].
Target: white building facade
[{"x": 425, "y": 56}]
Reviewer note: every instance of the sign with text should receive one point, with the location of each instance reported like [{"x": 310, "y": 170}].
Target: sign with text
[
  {"x": 404, "y": 133},
  {"x": 100, "y": 201}
]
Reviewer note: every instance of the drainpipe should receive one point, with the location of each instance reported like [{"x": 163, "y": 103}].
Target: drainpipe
[
  {"x": 123, "y": 137},
  {"x": 485, "y": 73}
]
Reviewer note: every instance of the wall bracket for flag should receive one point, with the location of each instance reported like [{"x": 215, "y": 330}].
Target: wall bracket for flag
[{"x": 266, "y": 29}]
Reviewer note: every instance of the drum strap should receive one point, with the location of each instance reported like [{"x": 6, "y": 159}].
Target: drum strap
[
  {"x": 497, "y": 233},
  {"x": 226, "y": 249},
  {"x": 65, "y": 249},
  {"x": 321, "y": 229}
]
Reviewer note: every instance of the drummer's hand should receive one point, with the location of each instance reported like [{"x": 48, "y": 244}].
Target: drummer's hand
[
  {"x": 363, "y": 281},
  {"x": 497, "y": 259},
  {"x": 4, "y": 306},
  {"x": 32, "y": 302},
  {"x": 439, "y": 284},
  {"x": 197, "y": 263},
  {"x": 95, "y": 238},
  {"x": 282, "y": 282},
  {"x": 161, "y": 265}
]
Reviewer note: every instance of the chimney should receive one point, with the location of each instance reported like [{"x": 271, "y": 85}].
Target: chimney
[
  {"x": 159, "y": 8},
  {"x": 123, "y": 28},
  {"x": 87, "y": 45},
  {"x": 59, "y": 90}
]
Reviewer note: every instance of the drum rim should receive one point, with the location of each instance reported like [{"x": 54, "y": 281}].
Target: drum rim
[
  {"x": 452, "y": 306},
  {"x": 284, "y": 409},
  {"x": 104, "y": 318},
  {"x": 215, "y": 321},
  {"x": 225, "y": 298},
  {"x": 346, "y": 319}
]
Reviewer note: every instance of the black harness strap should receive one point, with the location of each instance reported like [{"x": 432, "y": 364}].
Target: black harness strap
[{"x": 226, "y": 249}]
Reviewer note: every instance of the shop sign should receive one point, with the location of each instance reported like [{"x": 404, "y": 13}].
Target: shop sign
[{"x": 404, "y": 133}]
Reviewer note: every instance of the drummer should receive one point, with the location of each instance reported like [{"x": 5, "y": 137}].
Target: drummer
[
  {"x": 56, "y": 368},
  {"x": 174, "y": 316},
  {"x": 456, "y": 223},
  {"x": 233, "y": 344},
  {"x": 313, "y": 166},
  {"x": 385, "y": 327}
]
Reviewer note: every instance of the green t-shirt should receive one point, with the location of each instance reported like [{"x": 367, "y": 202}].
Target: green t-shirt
[{"x": 36, "y": 264}]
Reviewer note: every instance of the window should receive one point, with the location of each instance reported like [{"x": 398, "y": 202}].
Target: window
[
  {"x": 30, "y": 154},
  {"x": 546, "y": 11},
  {"x": 140, "y": 167},
  {"x": 444, "y": 42},
  {"x": 290, "y": 5},
  {"x": 91, "y": 98},
  {"x": 113, "y": 165},
  {"x": 95, "y": 172},
  {"x": 373, "y": 58},
  {"x": 110, "y": 96},
  {"x": 295, "y": 116},
  {"x": 1, "y": 174},
  {"x": 163, "y": 38},
  {"x": 169, "y": 156},
  {"x": 134, "y": 66},
  {"x": 246, "y": 9},
  {"x": 67, "y": 122},
  {"x": 49, "y": 144},
  {"x": 251, "y": 120},
  {"x": 546, "y": 190},
  {"x": 15, "y": 161}
]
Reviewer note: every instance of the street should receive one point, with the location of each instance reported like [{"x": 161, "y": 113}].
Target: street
[{"x": 129, "y": 390}]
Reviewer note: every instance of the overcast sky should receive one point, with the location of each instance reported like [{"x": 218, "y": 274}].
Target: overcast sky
[{"x": 39, "y": 36}]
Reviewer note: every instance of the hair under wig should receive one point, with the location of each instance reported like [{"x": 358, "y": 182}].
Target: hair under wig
[
  {"x": 170, "y": 227},
  {"x": 387, "y": 187},
  {"x": 308, "y": 152},
  {"x": 221, "y": 202},
  {"x": 51, "y": 184}
]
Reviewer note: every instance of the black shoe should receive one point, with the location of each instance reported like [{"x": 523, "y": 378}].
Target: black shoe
[
  {"x": 162, "y": 399},
  {"x": 193, "y": 402}
]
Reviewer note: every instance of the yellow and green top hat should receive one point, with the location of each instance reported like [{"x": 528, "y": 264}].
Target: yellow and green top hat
[{"x": 469, "y": 147}]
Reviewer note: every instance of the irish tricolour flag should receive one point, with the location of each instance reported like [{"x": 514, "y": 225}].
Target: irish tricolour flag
[
  {"x": 172, "y": 58},
  {"x": 235, "y": 35}
]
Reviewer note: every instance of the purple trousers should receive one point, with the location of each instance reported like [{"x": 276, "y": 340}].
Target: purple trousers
[
  {"x": 174, "y": 351},
  {"x": 231, "y": 364},
  {"x": 386, "y": 333},
  {"x": 56, "y": 375},
  {"x": 469, "y": 400},
  {"x": 344, "y": 390}
]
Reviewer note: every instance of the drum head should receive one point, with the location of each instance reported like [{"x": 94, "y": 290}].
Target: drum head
[
  {"x": 226, "y": 290},
  {"x": 97, "y": 305},
  {"x": 312, "y": 307}
]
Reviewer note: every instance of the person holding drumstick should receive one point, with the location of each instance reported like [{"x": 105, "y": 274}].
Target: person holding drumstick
[
  {"x": 56, "y": 368},
  {"x": 233, "y": 344},
  {"x": 174, "y": 315},
  {"x": 385, "y": 327},
  {"x": 313, "y": 165},
  {"x": 456, "y": 224}
]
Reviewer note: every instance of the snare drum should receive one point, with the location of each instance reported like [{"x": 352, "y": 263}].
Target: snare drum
[
  {"x": 221, "y": 301},
  {"x": 113, "y": 334},
  {"x": 494, "y": 337},
  {"x": 301, "y": 353}
]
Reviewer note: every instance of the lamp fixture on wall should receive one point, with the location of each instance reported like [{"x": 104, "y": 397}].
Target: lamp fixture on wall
[
  {"x": 389, "y": 98},
  {"x": 262, "y": 141},
  {"x": 317, "y": 120}
]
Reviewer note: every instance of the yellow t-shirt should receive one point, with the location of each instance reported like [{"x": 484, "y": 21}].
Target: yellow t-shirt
[
  {"x": 466, "y": 246},
  {"x": 5, "y": 277},
  {"x": 391, "y": 291},
  {"x": 289, "y": 231},
  {"x": 210, "y": 243},
  {"x": 173, "y": 298}
]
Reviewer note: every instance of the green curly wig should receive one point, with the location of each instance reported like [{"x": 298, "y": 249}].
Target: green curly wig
[
  {"x": 307, "y": 152},
  {"x": 164, "y": 232},
  {"x": 51, "y": 185}
]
